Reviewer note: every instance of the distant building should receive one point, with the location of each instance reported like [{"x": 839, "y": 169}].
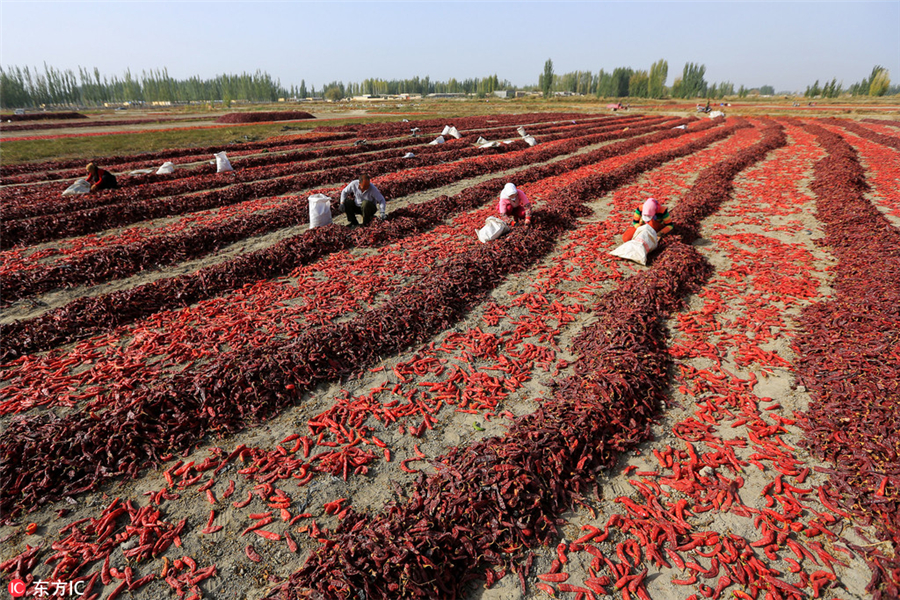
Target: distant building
[
  {"x": 505, "y": 93},
  {"x": 447, "y": 95}
]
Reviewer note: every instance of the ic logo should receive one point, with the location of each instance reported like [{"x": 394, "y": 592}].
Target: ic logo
[{"x": 17, "y": 588}]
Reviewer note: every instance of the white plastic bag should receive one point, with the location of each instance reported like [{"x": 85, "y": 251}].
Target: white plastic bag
[
  {"x": 409, "y": 155},
  {"x": 79, "y": 187},
  {"x": 166, "y": 168},
  {"x": 480, "y": 141},
  {"x": 141, "y": 172},
  {"x": 521, "y": 131},
  {"x": 638, "y": 247},
  {"x": 222, "y": 162},
  {"x": 489, "y": 145},
  {"x": 493, "y": 228},
  {"x": 439, "y": 140},
  {"x": 530, "y": 140},
  {"x": 319, "y": 210},
  {"x": 454, "y": 132},
  {"x": 446, "y": 130}
]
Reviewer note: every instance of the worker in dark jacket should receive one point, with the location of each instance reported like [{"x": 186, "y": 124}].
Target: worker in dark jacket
[{"x": 100, "y": 179}]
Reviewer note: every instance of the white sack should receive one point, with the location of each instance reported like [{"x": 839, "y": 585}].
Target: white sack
[
  {"x": 716, "y": 113},
  {"x": 79, "y": 187},
  {"x": 222, "y": 163},
  {"x": 454, "y": 132},
  {"x": 521, "y": 131},
  {"x": 319, "y": 210},
  {"x": 493, "y": 228},
  {"x": 530, "y": 140},
  {"x": 439, "y": 140},
  {"x": 409, "y": 155},
  {"x": 489, "y": 145},
  {"x": 166, "y": 168},
  {"x": 141, "y": 172},
  {"x": 446, "y": 130},
  {"x": 637, "y": 248},
  {"x": 480, "y": 141}
]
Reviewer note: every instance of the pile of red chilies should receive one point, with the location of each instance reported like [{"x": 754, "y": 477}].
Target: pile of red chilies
[
  {"x": 853, "y": 420},
  {"x": 95, "y": 123},
  {"x": 863, "y": 131},
  {"x": 883, "y": 122},
  {"x": 262, "y": 117},
  {"x": 43, "y": 116}
]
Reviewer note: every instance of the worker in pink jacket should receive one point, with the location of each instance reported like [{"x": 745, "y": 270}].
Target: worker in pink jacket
[{"x": 514, "y": 205}]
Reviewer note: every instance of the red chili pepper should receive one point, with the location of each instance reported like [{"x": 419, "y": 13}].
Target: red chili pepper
[{"x": 252, "y": 554}]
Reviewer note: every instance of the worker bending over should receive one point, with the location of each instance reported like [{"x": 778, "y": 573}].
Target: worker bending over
[
  {"x": 514, "y": 205},
  {"x": 100, "y": 179},
  {"x": 361, "y": 197},
  {"x": 651, "y": 213}
]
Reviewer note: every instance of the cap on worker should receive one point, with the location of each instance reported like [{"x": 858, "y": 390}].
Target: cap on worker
[
  {"x": 649, "y": 209},
  {"x": 509, "y": 191}
]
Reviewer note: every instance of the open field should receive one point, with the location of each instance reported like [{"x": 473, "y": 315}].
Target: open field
[{"x": 202, "y": 397}]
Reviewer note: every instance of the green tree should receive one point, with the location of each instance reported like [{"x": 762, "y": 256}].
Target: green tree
[
  {"x": 813, "y": 90},
  {"x": 546, "y": 79},
  {"x": 605, "y": 87},
  {"x": 620, "y": 78},
  {"x": 879, "y": 81},
  {"x": 692, "y": 83},
  {"x": 726, "y": 88},
  {"x": 659, "y": 71},
  {"x": 639, "y": 85},
  {"x": 334, "y": 91}
]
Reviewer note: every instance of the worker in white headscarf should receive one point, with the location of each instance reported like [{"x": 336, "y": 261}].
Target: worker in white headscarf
[{"x": 514, "y": 206}]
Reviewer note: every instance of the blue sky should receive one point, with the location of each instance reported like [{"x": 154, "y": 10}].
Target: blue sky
[{"x": 784, "y": 44}]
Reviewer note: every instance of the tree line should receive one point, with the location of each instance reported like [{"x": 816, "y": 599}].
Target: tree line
[
  {"x": 878, "y": 83},
  {"x": 625, "y": 82},
  {"x": 29, "y": 87},
  {"x": 24, "y": 87},
  {"x": 479, "y": 87}
]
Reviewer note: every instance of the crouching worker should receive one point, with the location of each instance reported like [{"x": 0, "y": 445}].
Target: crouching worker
[
  {"x": 361, "y": 197},
  {"x": 651, "y": 213},
  {"x": 100, "y": 179},
  {"x": 514, "y": 206}
]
